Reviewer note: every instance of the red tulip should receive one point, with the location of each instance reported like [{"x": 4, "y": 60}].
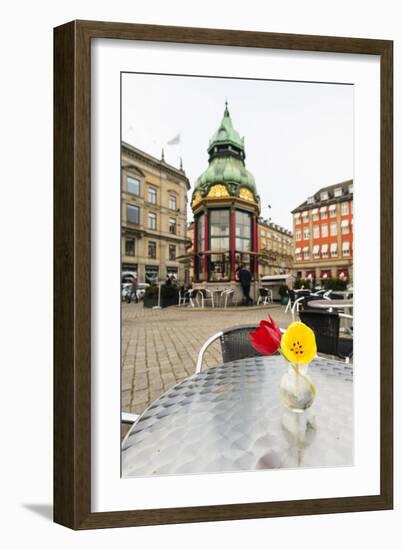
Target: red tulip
[{"x": 266, "y": 338}]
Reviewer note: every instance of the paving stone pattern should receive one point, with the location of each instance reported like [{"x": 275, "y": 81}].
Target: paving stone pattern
[{"x": 160, "y": 347}]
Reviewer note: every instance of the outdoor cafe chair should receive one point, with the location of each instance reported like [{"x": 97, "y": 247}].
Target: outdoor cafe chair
[
  {"x": 298, "y": 303},
  {"x": 291, "y": 300},
  {"x": 128, "y": 419},
  {"x": 235, "y": 344},
  {"x": 183, "y": 296},
  {"x": 265, "y": 296},
  {"x": 227, "y": 294},
  {"x": 206, "y": 296},
  {"x": 326, "y": 326}
]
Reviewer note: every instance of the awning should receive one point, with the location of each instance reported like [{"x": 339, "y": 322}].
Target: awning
[
  {"x": 333, "y": 247},
  {"x": 274, "y": 278},
  {"x": 344, "y": 223},
  {"x": 325, "y": 248},
  {"x": 297, "y": 251},
  {"x": 332, "y": 207},
  {"x": 316, "y": 249},
  {"x": 306, "y": 249},
  {"x": 323, "y": 208},
  {"x": 346, "y": 245}
]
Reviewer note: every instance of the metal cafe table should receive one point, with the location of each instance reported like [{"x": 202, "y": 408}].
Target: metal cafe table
[
  {"x": 231, "y": 418},
  {"x": 332, "y": 304}
]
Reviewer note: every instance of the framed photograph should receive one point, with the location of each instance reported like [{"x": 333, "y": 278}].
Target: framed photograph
[{"x": 223, "y": 275}]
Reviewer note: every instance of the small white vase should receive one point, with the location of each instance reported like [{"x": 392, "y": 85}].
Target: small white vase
[{"x": 297, "y": 389}]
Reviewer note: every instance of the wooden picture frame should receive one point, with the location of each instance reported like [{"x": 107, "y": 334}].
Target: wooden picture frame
[{"x": 72, "y": 272}]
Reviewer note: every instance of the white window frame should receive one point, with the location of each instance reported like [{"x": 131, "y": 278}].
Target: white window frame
[
  {"x": 344, "y": 208},
  {"x": 153, "y": 190},
  {"x": 346, "y": 249},
  {"x": 316, "y": 232},
  {"x": 325, "y": 233},
  {"x": 298, "y": 235},
  {"x": 307, "y": 233},
  {"x": 333, "y": 229},
  {"x": 174, "y": 224},
  {"x": 129, "y": 177},
  {"x": 345, "y": 227},
  {"x": 135, "y": 206},
  {"x": 152, "y": 221},
  {"x": 174, "y": 197}
]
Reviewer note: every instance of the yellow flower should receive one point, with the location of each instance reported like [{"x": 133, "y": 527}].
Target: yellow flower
[{"x": 298, "y": 344}]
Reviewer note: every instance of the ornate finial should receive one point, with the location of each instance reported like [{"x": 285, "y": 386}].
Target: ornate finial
[
  {"x": 181, "y": 165},
  {"x": 162, "y": 155},
  {"x": 226, "y": 112}
]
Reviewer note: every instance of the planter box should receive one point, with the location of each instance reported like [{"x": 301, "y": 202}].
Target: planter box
[{"x": 152, "y": 301}]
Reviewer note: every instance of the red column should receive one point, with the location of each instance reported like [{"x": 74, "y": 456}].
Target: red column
[
  {"x": 255, "y": 248},
  {"x": 206, "y": 243},
  {"x": 232, "y": 243},
  {"x": 195, "y": 251}
]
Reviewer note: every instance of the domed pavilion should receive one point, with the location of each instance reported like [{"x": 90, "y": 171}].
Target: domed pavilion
[{"x": 226, "y": 206}]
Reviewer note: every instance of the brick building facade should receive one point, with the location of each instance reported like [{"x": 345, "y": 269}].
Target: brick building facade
[{"x": 323, "y": 234}]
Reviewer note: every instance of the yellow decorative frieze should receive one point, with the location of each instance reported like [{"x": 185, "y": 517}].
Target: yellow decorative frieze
[
  {"x": 218, "y": 191},
  {"x": 196, "y": 199},
  {"x": 246, "y": 195}
]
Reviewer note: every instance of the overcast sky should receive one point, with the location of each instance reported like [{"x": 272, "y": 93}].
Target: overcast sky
[{"x": 298, "y": 136}]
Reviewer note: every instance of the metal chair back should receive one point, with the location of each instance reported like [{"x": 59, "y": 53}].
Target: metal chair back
[
  {"x": 235, "y": 343},
  {"x": 326, "y": 326}
]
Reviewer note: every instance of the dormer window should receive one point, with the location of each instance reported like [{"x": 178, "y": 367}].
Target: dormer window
[
  {"x": 338, "y": 192},
  {"x": 310, "y": 200},
  {"x": 324, "y": 196},
  {"x": 350, "y": 188}
]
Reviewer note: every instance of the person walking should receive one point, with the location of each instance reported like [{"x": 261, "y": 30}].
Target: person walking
[
  {"x": 245, "y": 278},
  {"x": 133, "y": 291}
]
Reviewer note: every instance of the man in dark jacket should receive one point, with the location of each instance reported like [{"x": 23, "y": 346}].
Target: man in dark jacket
[{"x": 245, "y": 279}]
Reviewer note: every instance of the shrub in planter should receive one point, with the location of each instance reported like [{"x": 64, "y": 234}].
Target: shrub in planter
[
  {"x": 302, "y": 283},
  {"x": 334, "y": 284},
  {"x": 169, "y": 296}
]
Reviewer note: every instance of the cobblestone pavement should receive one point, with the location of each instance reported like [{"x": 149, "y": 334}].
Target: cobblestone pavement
[{"x": 160, "y": 347}]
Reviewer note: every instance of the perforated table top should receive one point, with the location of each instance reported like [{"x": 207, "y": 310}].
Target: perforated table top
[{"x": 231, "y": 418}]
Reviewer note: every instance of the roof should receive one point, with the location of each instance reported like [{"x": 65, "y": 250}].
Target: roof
[
  {"x": 142, "y": 155},
  {"x": 268, "y": 278},
  {"x": 226, "y": 133},
  {"x": 330, "y": 189},
  {"x": 274, "y": 226},
  {"x": 227, "y": 170},
  {"x": 226, "y": 163}
]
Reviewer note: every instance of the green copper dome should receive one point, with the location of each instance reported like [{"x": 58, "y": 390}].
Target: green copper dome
[
  {"x": 226, "y": 134},
  {"x": 226, "y": 163},
  {"x": 226, "y": 170}
]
